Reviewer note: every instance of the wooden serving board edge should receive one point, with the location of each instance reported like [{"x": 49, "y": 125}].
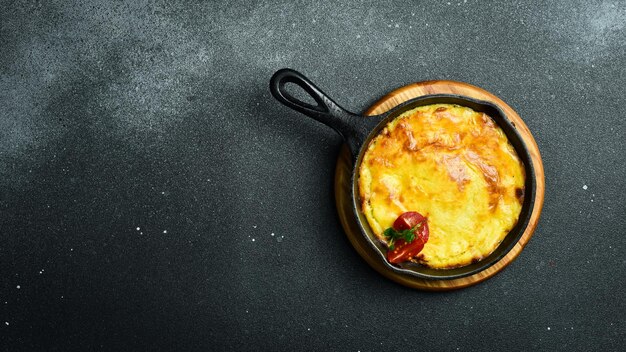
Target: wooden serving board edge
[{"x": 343, "y": 184}]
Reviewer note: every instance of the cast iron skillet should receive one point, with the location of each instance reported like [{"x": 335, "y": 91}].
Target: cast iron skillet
[{"x": 358, "y": 131}]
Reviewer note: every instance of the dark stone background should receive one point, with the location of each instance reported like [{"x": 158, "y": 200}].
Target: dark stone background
[{"x": 144, "y": 167}]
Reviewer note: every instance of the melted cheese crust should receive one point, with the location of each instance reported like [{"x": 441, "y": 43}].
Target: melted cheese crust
[{"x": 453, "y": 165}]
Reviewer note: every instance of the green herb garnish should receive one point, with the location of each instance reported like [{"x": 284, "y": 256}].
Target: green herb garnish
[{"x": 407, "y": 235}]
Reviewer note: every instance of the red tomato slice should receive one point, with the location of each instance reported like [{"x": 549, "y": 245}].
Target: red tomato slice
[
  {"x": 408, "y": 220},
  {"x": 403, "y": 251}
]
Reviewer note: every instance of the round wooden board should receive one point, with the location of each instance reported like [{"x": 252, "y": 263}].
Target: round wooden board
[{"x": 343, "y": 186}]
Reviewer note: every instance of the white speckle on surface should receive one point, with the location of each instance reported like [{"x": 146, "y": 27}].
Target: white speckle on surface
[
  {"x": 6, "y": 323},
  {"x": 18, "y": 287},
  {"x": 71, "y": 249},
  {"x": 162, "y": 192},
  {"x": 308, "y": 329},
  {"x": 314, "y": 20},
  {"x": 138, "y": 228},
  {"x": 253, "y": 240},
  {"x": 397, "y": 25},
  {"x": 254, "y": 226},
  {"x": 598, "y": 28},
  {"x": 164, "y": 231},
  {"x": 548, "y": 328},
  {"x": 272, "y": 234},
  {"x": 585, "y": 187}
]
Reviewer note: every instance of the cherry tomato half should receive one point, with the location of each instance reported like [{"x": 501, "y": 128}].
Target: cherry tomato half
[
  {"x": 408, "y": 220},
  {"x": 403, "y": 251}
]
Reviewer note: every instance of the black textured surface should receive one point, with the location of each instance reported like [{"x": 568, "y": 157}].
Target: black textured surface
[{"x": 154, "y": 196}]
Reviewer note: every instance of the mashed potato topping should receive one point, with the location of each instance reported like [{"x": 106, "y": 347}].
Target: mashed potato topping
[{"x": 453, "y": 165}]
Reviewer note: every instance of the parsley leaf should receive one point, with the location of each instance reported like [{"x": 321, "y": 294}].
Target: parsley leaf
[{"x": 407, "y": 235}]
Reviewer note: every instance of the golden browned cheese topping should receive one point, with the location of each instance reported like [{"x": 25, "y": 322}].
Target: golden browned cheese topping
[{"x": 453, "y": 165}]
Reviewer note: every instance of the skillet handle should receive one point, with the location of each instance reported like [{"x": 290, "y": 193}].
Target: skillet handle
[{"x": 353, "y": 128}]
